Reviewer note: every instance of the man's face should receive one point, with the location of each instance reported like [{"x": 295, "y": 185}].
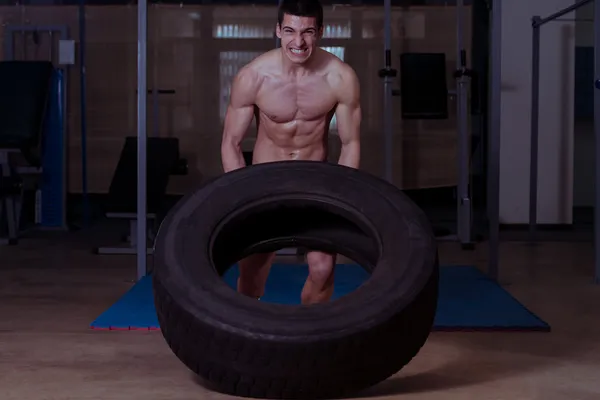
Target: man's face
[{"x": 299, "y": 37}]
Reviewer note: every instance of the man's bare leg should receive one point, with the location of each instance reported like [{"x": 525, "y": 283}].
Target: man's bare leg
[
  {"x": 319, "y": 285},
  {"x": 254, "y": 271}
]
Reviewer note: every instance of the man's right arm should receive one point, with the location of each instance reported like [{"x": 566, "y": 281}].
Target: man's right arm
[{"x": 238, "y": 118}]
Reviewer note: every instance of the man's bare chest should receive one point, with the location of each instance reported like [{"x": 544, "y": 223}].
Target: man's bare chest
[{"x": 285, "y": 102}]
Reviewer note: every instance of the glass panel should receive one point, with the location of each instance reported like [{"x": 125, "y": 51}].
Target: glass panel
[
  {"x": 338, "y": 52},
  {"x": 242, "y": 31},
  {"x": 230, "y": 62}
]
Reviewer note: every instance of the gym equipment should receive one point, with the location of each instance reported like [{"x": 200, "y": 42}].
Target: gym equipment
[
  {"x": 424, "y": 96},
  {"x": 493, "y": 139},
  {"x": 121, "y": 194},
  {"x": 10, "y": 185},
  {"x": 24, "y": 97},
  {"x": 423, "y": 89},
  {"x": 597, "y": 142},
  {"x": 537, "y": 22},
  {"x": 463, "y": 76},
  {"x": 251, "y": 348},
  {"x": 387, "y": 73},
  {"x": 468, "y": 300},
  {"x": 53, "y": 189},
  {"x": 142, "y": 60},
  {"x": 83, "y": 110},
  {"x": 155, "y": 103},
  {"x": 164, "y": 161},
  {"x": 11, "y": 189}
]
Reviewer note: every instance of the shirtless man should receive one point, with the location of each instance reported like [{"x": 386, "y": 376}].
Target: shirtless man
[{"x": 293, "y": 91}]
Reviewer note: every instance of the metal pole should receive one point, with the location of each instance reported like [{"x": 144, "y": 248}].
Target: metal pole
[
  {"x": 564, "y": 11},
  {"x": 387, "y": 74},
  {"x": 462, "y": 78},
  {"x": 536, "y": 23},
  {"x": 277, "y": 40},
  {"x": 142, "y": 136},
  {"x": 82, "y": 87},
  {"x": 597, "y": 142},
  {"x": 535, "y": 111},
  {"x": 64, "y": 33},
  {"x": 156, "y": 109},
  {"x": 155, "y": 91},
  {"x": 493, "y": 198}
]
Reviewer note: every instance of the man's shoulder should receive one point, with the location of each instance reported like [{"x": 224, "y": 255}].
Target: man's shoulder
[
  {"x": 257, "y": 68},
  {"x": 260, "y": 64},
  {"x": 346, "y": 72},
  {"x": 340, "y": 73},
  {"x": 249, "y": 78}
]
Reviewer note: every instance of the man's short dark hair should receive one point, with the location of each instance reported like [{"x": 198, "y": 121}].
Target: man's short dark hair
[{"x": 301, "y": 8}]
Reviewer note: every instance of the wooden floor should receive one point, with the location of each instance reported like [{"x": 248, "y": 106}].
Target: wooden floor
[{"x": 52, "y": 288}]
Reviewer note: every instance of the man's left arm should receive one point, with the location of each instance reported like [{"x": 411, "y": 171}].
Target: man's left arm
[{"x": 348, "y": 117}]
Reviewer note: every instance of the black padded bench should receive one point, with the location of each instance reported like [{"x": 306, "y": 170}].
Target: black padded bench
[{"x": 163, "y": 161}]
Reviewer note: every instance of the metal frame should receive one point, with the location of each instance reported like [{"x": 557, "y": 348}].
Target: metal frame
[
  {"x": 493, "y": 170},
  {"x": 387, "y": 73},
  {"x": 9, "y": 53},
  {"x": 132, "y": 236},
  {"x": 10, "y": 206},
  {"x": 83, "y": 108},
  {"x": 463, "y": 196},
  {"x": 493, "y": 178},
  {"x": 537, "y": 22},
  {"x": 597, "y": 142},
  {"x": 141, "y": 249},
  {"x": 464, "y": 208}
]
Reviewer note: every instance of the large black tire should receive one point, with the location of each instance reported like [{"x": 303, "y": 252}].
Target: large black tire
[{"x": 251, "y": 348}]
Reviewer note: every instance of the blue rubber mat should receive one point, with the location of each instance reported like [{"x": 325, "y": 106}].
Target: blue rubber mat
[{"x": 468, "y": 300}]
